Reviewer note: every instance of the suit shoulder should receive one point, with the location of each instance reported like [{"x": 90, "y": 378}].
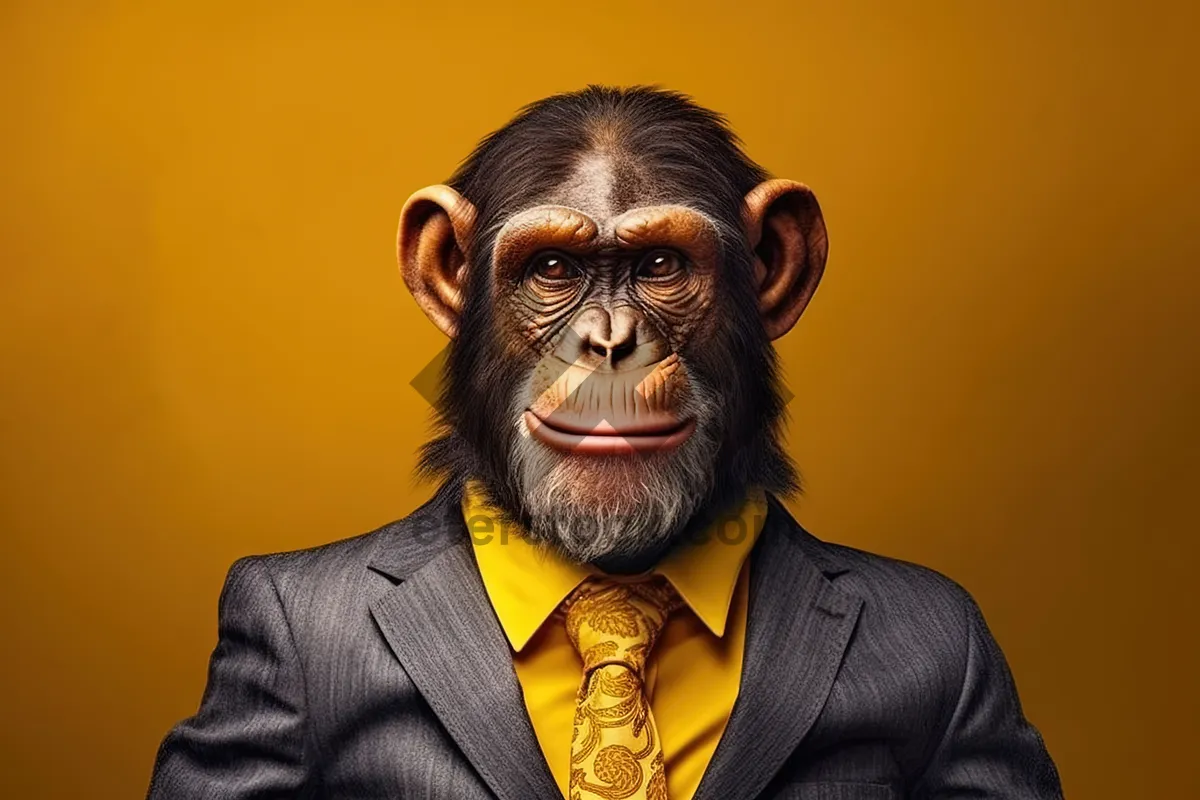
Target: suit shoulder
[
  {"x": 877, "y": 579},
  {"x": 913, "y": 617},
  {"x": 341, "y": 558},
  {"x": 889, "y": 578},
  {"x": 909, "y": 609}
]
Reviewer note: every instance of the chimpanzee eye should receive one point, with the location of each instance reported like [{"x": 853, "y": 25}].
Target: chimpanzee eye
[
  {"x": 553, "y": 266},
  {"x": 660, "y": 264}
]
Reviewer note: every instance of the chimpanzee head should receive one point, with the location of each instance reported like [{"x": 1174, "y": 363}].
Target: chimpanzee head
[{"x": 611, "y": 269}]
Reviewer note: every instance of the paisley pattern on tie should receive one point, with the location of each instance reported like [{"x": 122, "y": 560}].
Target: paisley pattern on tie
[{"x": 615, "y": 750}]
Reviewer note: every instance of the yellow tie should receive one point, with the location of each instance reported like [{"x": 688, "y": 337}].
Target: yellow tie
[{"x": 615, "y": 750}]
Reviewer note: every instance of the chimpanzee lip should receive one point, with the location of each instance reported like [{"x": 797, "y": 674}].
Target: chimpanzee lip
[{"x": 604, "y": 438}]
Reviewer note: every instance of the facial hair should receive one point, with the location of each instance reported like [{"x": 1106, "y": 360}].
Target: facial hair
[{"x": 616, "y": 508}]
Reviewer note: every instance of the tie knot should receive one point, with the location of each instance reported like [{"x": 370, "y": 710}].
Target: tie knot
[{"x": 617, "y": 622}]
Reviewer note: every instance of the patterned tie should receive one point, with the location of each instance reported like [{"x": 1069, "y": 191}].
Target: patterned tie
[{"x": 615, "y": 751}]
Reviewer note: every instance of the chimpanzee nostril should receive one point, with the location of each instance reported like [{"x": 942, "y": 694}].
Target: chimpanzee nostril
[
  {"x": 623, "y": 348},
  {"x": 599, "y": 349}
]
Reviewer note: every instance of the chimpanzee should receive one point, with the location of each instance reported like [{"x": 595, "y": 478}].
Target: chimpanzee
[{"x": 605, "y": 598}]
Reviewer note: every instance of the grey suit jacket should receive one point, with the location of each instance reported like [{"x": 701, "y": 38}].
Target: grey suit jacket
[{"x": 375, "y": 667}]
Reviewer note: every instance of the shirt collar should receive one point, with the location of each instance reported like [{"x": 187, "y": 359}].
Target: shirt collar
[{"x": 526, "y": 581}]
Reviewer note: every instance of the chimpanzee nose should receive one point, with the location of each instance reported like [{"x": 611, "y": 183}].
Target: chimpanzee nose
[{"x": 617, "y": 338}]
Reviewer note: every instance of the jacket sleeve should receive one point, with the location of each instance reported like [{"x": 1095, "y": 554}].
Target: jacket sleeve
[
  {"x": 247, "y": 740},
  {"x": 988, "y": 749}
]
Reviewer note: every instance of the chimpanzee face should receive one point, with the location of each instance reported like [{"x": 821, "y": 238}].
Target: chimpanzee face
[
  {"x": 614, "y": 439},
  {"x": 621, "y": 315}
]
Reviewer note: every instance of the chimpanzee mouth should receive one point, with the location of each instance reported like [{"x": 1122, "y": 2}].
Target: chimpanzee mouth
[{"x": 603, "y": 438}]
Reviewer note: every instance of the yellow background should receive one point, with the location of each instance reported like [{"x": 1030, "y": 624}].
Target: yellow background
[{"x": 207, "y": 350}]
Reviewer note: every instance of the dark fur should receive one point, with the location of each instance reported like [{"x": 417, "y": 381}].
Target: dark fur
[{"x": 690, "y": 156}]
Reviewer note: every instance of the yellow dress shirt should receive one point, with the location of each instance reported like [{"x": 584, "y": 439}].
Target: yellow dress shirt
[{"x": 693, "y": 673}]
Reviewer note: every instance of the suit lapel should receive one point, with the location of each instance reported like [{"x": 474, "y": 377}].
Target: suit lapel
[
  {"x": 441, "y": 626},
  {"x": 797, "y": 631}
]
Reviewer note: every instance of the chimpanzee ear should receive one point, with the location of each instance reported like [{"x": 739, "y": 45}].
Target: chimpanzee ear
[
  {"x": 787, "y": 233},
  {"x": 435, "y": 228}
]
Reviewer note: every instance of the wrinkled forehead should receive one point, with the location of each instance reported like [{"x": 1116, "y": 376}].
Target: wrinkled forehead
[{"x": 606, "y": 206}]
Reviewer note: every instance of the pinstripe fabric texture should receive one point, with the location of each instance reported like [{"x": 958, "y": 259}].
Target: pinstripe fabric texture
[{"x": 374, "y": 667}]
